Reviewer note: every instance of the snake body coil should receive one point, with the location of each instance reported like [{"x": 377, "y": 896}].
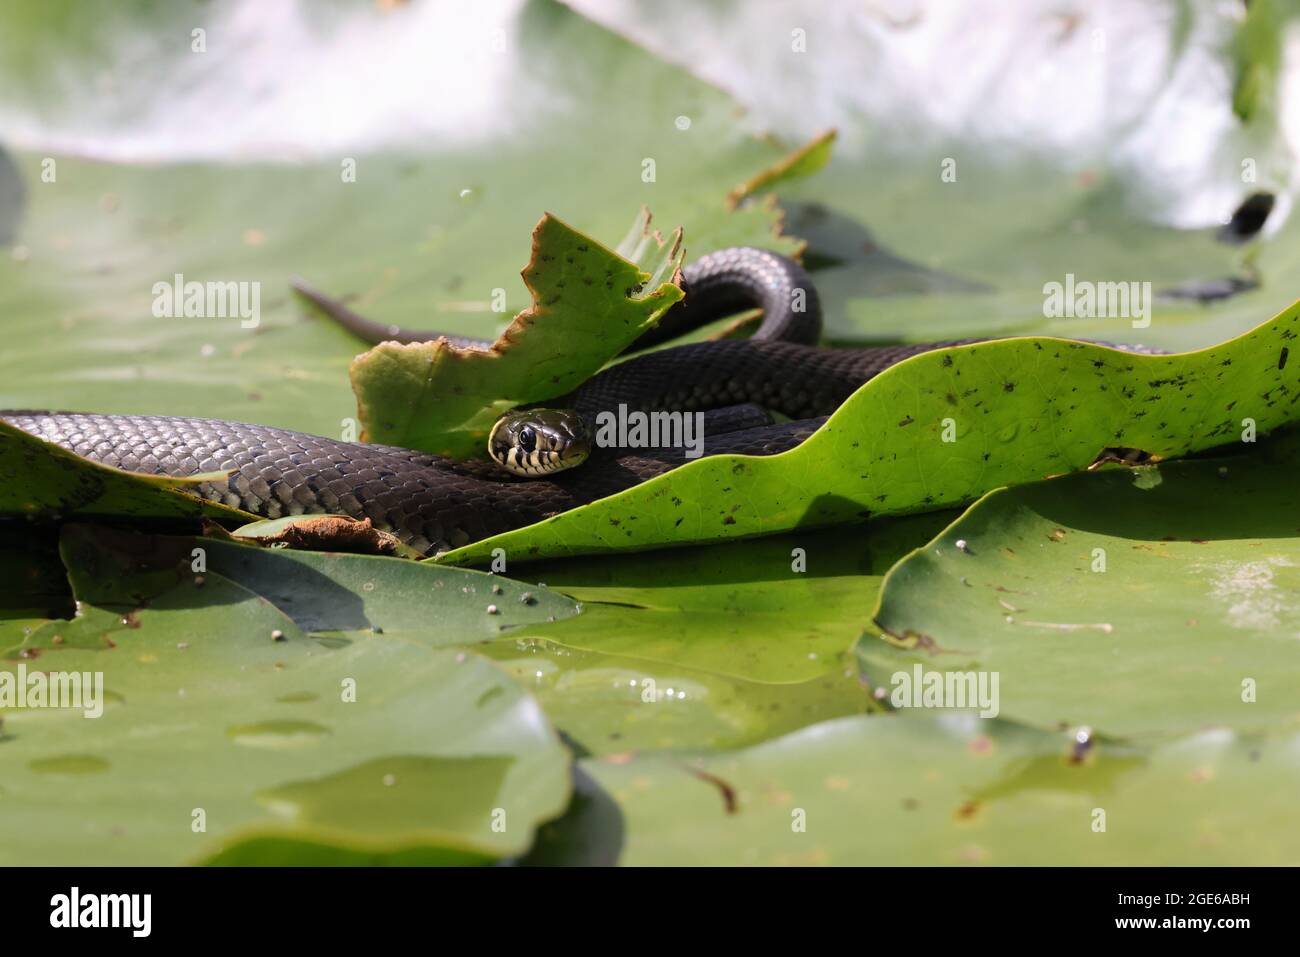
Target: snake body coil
[{"x": 434, "y": 503}]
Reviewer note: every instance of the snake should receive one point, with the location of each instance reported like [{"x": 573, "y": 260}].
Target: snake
[{"x": 433, "y": 503}]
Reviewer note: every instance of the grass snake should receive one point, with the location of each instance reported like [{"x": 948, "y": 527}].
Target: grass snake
[{"x": 434, "y": 503}]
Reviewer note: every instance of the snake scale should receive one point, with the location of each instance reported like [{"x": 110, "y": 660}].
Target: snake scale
[{"x": 434, "y": 503}]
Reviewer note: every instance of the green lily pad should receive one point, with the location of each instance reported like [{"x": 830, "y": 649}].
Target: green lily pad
[
  {"x": 760, "y": 222},
  {"x": 929, "y": 790},
  {"x": 941, "y": 429},
  {"x": 122, "y": 579},
  {"x": 304, "y": 734},
  {"x": 779, "y": 610},
  {"x": 708, "y": 647},
  {"x": 328, "y": 593},
  {"x": 589, "y": 304},
  {"x": 615, "y": 704},
  {"x": 805, "y": 161},
  {"x": 1153, "y": 602},
  {"x": 375, "y": 748}
]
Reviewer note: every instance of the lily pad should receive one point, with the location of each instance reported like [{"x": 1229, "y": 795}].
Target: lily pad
[
  {"x": 943, "y": 790},
  {"x": 616, "y": 704},
  {"x": 780, "y": 610},
  {"x": 589, "y": 304},
  {"x": 940, "y": 429},
  {"x": 303, "y": 730},
  {"x": 708, "y": 647},
  {"x": 805, "y": 161},
  {"x": 1153, "y": 602},
  {"x": 121, "y": 579},
  {"x": 434, "y": 743},
  {"x": 329, "y": 593}
]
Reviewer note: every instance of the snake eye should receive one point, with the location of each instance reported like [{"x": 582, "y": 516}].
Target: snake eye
[{"x": 527, "y": 438}]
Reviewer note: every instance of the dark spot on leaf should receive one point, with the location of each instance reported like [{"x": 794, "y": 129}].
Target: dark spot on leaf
[
  {"x": 729, "y": 803},
  {"x": 1248, "y": 218}
]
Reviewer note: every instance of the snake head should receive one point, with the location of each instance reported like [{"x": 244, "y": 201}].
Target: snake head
[{"x": 536, "y": 442}]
